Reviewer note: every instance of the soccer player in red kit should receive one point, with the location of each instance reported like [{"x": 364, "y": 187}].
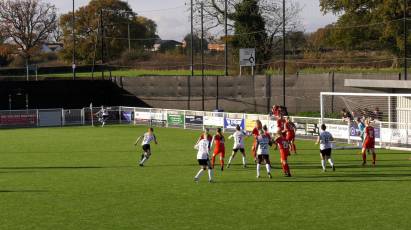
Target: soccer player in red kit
[
  {"x": 281, "y": 124},
  {"x": 276, "y": 111},
  {"x": 256, "y": 132},
  {"x": 283, "y": 145},
  {"x": 369, "y": 143},
  {"x": 219, "y": 148},
  {"x": 290, "y": 133}
]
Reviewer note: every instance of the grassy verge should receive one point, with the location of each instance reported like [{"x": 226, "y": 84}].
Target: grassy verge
[
  {"x": 140, "y": 73},
  {"x": 342, "y": 70}
]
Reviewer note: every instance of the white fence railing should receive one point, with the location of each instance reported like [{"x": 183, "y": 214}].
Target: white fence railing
[{"x": 387, "y": 134}]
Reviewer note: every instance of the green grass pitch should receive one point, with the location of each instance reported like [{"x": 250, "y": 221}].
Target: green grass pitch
[{"x": 88, "y": 178}]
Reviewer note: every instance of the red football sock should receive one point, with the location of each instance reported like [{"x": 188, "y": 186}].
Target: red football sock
[
  {"x": 364, "y": 156},
  {"x": 287, "y": 168},
  {"x": 222, "y": 162},
  {"x": 213, "y": 161},
  {"x": 294, "y": 148},
  {"x": 284, "y": 171},
  {"x": 374, "y": 157}
]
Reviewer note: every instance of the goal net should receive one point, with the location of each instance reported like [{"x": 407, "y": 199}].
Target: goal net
[{"x": 390, "y": 115}]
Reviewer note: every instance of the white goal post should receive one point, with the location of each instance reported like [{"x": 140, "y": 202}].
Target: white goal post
[{"x": 390, "y": 115}]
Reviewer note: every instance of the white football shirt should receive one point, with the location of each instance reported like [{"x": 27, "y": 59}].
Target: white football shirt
[
  {"x": 148, "y": 138},
  {"x": 325, "y": 140},
  {"x": 202, "y": 147},
  {"x": 238, "y": 139},
  {"x": 263, "y": 145}
]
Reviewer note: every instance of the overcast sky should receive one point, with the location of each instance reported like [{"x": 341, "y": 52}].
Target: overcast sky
[{"x": 172, "y": 17}]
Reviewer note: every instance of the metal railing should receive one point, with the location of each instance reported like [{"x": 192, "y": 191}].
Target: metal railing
[{"x": 388, "y": 134}]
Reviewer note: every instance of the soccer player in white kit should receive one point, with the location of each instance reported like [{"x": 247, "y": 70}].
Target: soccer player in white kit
[
  {"x": 238, "y": 136},
  {"x": 147, "y": 138},
  {"x": 102, "y": 116},
  {"x": 325, "y": 140},
  {"x": 203, "y": 147},
  {"x": 263, "y": 146}
]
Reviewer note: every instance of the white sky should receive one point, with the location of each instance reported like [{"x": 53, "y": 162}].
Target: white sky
[{"x": 172, "y": 16}]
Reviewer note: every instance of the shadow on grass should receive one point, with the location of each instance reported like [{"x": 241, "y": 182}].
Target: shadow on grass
[
  {"x": 295, "y": 180},
  {"x": 360, "y": 175},
  {"x": 300, "y": 165},
  {"x": 25, "y": 171},
  {"x": 331, "y": 177},
  {"x": 66, "y": 152},
  {"x": 23, "y": 191},
  {"x": 60, "y": 167}
]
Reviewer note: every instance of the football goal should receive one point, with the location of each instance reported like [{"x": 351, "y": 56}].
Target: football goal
[{"x": 390, "y": 114}]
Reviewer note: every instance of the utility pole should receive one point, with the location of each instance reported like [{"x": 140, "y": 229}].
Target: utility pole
[
  {"x": 202, "y": 55},
  {"x": 192, "y": 40},
  {"x": 129, "y": 37},
  {"x": 284, "y": 65},
  {"x": 191, "y": 55},
  {"x": 102, "y": 43},
  {"x": 405, "y": 41},
  {"x": 226, "y": 37},
  {"x": 74, "y": 42}
]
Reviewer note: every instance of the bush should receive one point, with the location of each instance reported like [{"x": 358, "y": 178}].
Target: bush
[
  {"x": 134, "y": 55},
  {"x": 18, "y": 61}
]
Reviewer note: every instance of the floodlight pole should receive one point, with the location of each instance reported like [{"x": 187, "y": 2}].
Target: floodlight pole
[
  {"x": 225, "y": 39},
  {"x": 192, "y": 40},
  {"x": 284, "y": 64},
  {"x": 405, "y": 41},
  {"x": 102, "y": 43},
  {"x": 129, "y": 37},
  {"x": 74, "y": 42},
  {"x": 202, "y": 55},
  {"x": 191, "y": 54}
]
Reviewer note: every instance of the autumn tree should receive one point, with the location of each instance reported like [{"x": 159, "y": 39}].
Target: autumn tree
[
  {"x": 27, "y": 23},
  {"x": 117, "y": 17},
  {"x": 368, "y": 24},
  {"x": 254, "y": 23}
]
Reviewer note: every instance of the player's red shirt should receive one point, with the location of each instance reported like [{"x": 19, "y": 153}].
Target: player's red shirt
[
  {"x": 280, "y": 124},
  {"x": 282, "y": 143},
  {"x": 369, "y": 134},
  {"x": 289, "y": 128},
  {"x": 219, "y": 145},
  {"x": 256, "y": 132},
  {"x": 219, "y": 141}
]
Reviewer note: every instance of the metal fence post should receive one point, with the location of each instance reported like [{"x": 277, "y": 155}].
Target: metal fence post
[
  {"x": 62, "y": 118},
  {"x": 38, "y": 118},
  {"x": 119, "y": 114},
  {"x": 380, "y": 134},
  {"x": 83, "y": 119},
  {"x": 184, "y": 120}
]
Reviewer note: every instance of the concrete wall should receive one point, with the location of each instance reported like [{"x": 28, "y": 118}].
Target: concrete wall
[
  {"x": 242, "y": 94},
  {"x": 236, "y": 94},
  {"x": 63, "y": 94}
]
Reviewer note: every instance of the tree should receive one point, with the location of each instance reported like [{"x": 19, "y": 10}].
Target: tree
[
  {"x": 370, "y": 24},
  {"x": 196, "y": 42},
  {"x": 117, "y": 18},
  {"x": 249, "y": 26},
  {"x": 321, "y": 39},
  {"x": 296, "y": 41},
  {"x": 4, "y": 51},
  {"x": 263, "y": 31},
  {"x": 27, "y": 23}
]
